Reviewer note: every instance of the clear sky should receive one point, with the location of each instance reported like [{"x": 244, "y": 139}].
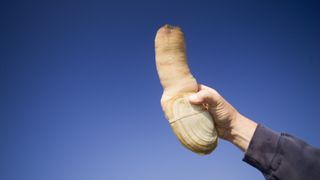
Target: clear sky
[{"x": 80, "y": 95}]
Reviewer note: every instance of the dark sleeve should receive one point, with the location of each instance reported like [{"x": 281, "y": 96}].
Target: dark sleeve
[{"x": 280, "y": 156}]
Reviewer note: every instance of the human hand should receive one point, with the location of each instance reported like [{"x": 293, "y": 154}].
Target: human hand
[{"x": 230, "y": 124}]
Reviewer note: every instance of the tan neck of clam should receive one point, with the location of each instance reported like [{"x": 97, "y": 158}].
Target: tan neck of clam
[{"x": 171, "y": 61}]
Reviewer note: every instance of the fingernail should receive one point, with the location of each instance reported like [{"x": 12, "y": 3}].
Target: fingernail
[{"x": 192, "y": 97}]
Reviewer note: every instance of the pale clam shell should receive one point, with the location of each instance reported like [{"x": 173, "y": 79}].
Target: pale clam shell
[{"x": 193, "y": 125}]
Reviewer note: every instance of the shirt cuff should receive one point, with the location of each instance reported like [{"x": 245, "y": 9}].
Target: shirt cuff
[{"x": 262, "y": 148}]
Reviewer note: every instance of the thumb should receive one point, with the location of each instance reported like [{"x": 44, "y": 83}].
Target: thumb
[{"x": 205, "y": 97}]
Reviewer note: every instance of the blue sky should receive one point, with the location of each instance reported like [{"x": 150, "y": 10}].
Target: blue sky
[{"x": 80, "y": 95}]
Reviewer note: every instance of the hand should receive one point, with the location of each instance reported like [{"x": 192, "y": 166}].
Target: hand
[{"x": 230, "y": 124}]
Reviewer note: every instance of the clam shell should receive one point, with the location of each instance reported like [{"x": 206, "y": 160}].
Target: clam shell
[{"x": 193, "y": 125}]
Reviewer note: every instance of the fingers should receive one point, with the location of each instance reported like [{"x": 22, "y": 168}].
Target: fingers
[
  {"x": 196, "y": 99},
  {"x": 204, "y": 87},
  {"x": 206, "y": 95}
]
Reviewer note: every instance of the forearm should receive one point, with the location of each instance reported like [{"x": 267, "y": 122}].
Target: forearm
[{"x": 240, "y": 132}]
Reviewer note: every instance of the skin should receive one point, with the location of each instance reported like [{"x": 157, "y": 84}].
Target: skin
[{"x": 231, "y": 125}]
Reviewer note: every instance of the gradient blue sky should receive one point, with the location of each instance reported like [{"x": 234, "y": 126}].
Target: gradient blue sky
[{"x": 80, "y": 93}]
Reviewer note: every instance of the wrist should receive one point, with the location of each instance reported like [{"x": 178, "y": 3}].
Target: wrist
[{"x": 241, "y": 131}]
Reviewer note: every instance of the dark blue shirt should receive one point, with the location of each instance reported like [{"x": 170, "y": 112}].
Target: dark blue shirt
[{"x": 280, "y": 156}]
